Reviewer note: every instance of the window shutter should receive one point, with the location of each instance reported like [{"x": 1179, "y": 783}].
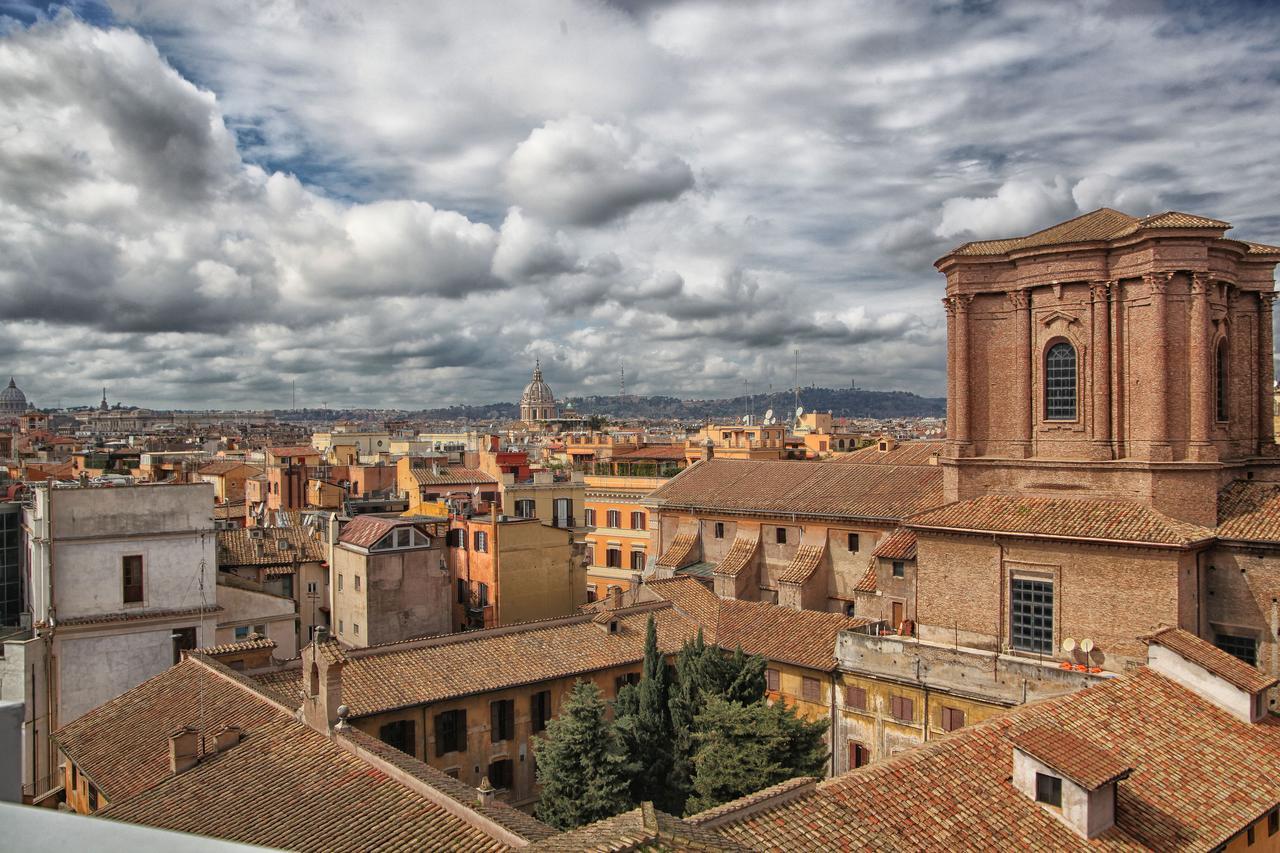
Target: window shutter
[
  {"x": 440, "y": 733},
  {"x": 908, "y": 708},
  {"x": 461, "y": 737}
]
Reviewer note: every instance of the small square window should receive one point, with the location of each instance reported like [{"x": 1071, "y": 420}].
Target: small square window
[
  {"x": 1048, "y": 790},
  {"x": 853, "y": 541},
  {"x": 811, "y": 690},
  {"x": 719, "y": 530},
  {"x": 856, "y": 698},
  {"x": 780, "y": 536},
  {"x": 899, "y": 569}
]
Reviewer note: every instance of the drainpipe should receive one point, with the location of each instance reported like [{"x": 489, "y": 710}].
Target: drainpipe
[
  {"x": 835, "y": 720},
  {"x": 995, "y": 660}
]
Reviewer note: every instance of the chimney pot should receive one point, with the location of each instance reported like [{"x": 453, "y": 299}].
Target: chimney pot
[
  {"x": 184, "y": 749},
  {"x": 484, "y": 794}
]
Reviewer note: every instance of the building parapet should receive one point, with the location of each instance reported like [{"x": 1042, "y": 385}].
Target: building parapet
[{"x": 974, "y": 673}]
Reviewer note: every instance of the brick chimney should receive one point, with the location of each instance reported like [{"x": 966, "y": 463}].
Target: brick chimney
[
  {"x": 322, "y": 663},
  {"x": 184, "y": 749},
  {"x": 225, "y": 738},
  {"x": 708, "y": 449}
]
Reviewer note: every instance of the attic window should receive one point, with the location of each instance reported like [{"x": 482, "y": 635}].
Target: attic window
[
  {"x": 613, "y": 626},
  {"x": 1049, "y": 790}
]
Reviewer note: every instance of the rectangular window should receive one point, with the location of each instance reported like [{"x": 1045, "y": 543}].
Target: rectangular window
[
  {"x": 637, "y": 561},
  {"x": 780, "y": 536},
  {"x": 184, "y": 639},
  {"x": 484, "y": 594},
  {"x": 481, "y": 542},
  {"x": 1032, "y": 622},
  {"x": 1048, "y": 790},
  {"x": 811, "y": 690},
  {"x": 131, "y": 571},
  {"x": 355, "y": 579},
  {"x": 451, "y": 732},
  {"x": 539, "y": 710},
  {"x": 355, "y": 628},
  {"x": 400, "y": 734},
  {"x": 242, "y": 632},
  {"x": 859, "y": 755},
  {"x": 772, "y": 680},
  {"x": 621, "y": 680},
  {"x": 590, "y": 517},
  {"x": 462, "y": 591},
  {"x": 613, "y": 558},
  {"x": 502, "y": 774},
  {"x": 339, "y": 583},
  {"x": 591, "y": 592},
  {"x": 1245, "y": 648},
  {"x": 525, "y": 508},
  {"x": 502, "y": 720},
  {"x": 719, "y": 529},
  {"x": 562, "y": 512},
  {"x": 856, "y": 698},
  {"x": 902, "y": 708},
  {"x": 311, "y": 587},
  {"x": 853, "y": 541},
  {"x": 341, "y": 628},
  {"x": 899, "y": 569},
  {"x": 615, "y": 518},
  {"x": 952, "y": 719},
  {"x": 637, "y": 521}
]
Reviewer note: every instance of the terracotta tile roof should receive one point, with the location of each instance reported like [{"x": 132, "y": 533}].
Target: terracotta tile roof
[
  {"x": 904, "y": 453},
  {"x": 306, "y": 792},
  {"x": 1099, "y": 225},
  {"x": 253, "y": 643},
  {"x": 418, "y": 672},
  {"x": 869, "y": 581},
  {"x": 803, "y": 564},
  {"x": 825, "y": 489},
  {"x": 425, "y": 475},
  {"x": 365, "y": 530},
  {"x": 294, "y": 450},
  {"x": 740, "y": 555},
  {"x": 138, "y": 615},
  {"x": 802, "y": 637},
  {"x": 1262, "y": 249},
  {"x": 681, "y": 551},
  {"x": 899, "y": 545},
  {"x": 657, "y": 451},
  {"x": 1199, "y": 776},
  {"x": 217, "y": 469},
  {"x": 641, "y": 829},
  {"x": 279, "y": 545},
  {"x": 230, "y": 509},
  {"x": 1080, "y": 760},
  {"x": 1227, "y": 667},
  {"x": 1080, "y": 518},
  {"x": 1249, "y": 510}
]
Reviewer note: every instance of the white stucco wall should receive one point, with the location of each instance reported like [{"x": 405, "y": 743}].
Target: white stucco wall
[
  {"x": 246, "y": 607},
  {"x": 94, "y": 669},
  {"x": 1087, "y": 812},
  {"x": 1221, "y": 693}
]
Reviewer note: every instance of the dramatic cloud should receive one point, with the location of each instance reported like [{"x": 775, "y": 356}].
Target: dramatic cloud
[{"x": 202, "y": 203}]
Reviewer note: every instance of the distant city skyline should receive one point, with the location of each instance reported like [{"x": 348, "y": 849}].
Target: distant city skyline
[{"x": 202, "y": 204}]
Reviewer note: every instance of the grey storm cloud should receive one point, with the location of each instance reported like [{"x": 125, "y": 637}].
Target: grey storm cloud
[{"x": 200, "y": 205}]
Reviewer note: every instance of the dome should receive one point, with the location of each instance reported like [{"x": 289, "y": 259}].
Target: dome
[
  {"x": 12, "y": 401},
  {"x": 537, "y": 392}
]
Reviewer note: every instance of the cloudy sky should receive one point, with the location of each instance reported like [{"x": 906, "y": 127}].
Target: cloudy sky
[{"x": 403, "y": 204}]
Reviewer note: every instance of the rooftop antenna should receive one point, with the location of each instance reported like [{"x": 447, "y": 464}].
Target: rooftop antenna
[
  {"x": 622, "y": 381},
  {"x": 295, "y": 395},
  {"x": 797, "y": 380}
]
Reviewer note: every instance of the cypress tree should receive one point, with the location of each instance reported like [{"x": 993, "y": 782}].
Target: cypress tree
[
  {"x": 644, "y": 725},
  {"x": 744, "y": 748},
  {"x": 580, "y": 765}
]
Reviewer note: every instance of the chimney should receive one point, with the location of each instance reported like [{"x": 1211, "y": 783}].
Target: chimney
[
  {"x": 225, "y": 738},
  {"x": 322, "y": 663},
  {"x": 615, "y": 598},
  {"x": 708, "y": 449},
  {"x": 184, "y": 749},
  {"x": 484, "y": 794}
]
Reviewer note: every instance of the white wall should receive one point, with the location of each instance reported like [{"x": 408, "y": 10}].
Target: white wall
[
  {"x": 1221, "y": 693},
  {"x": 96, "y": 669}
]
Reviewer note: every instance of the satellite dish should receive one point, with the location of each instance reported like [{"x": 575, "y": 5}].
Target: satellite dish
[
  {"x": 799, "y": 412},
  {"x": 1068, "y": 645},
  {"x": 746, "y": 419},
  {"x": 1086, "y": 645},
  {"x": 475, "y": 493},
  {"x": 768, "y": 415}
]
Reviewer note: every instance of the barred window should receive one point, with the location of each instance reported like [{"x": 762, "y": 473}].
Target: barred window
[
  {"x": 1060, "y": 382},
  {"x": 1221, "y": 379},
  {"x": 1032, "y": 603}
]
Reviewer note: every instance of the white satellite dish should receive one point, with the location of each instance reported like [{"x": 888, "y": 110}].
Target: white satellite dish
[
  {"x": 768, "y": 415},
  {"x": 799, "y": 412},
  {"x": 1068, "y": 645},
  {"x": 1086, "y": 645},
  {"x": 746, "y": 419}
]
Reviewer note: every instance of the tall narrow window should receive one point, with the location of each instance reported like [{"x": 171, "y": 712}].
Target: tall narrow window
[
  {"x": 1060, "y": 382},
  {"x": 1032, "y": 628},
  {"x": 132, "y": 571},
  {"x": 1220, "y": 376}
]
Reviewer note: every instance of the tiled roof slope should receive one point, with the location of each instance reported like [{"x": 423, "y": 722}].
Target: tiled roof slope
[
  {"x": 899, "y": 545},
  {"x": 802, "y": 637},
  {"x": 1227, "y": 667},
  {"x": 1080, "y": 760},
  {"x": 365, "y": 530},
  {"x": 1249, "y": 510},
  {"x": 398, "y": 675},
  {"x": 239, "y": 547},
  {"x": 680, "y": 552},
  {"x": 642, "y": 829},
  {"x": 1199, "y": 775},
  {"x": 215, "y": 469},
  {"x": 869, "y": 581},
  {"x": 425, "y": 475},
  {"x": 1101, "y": 224},
  {"x": 828, "y": 489},
  {"x": 906, "y": 453},
  {"x": 740, "y": 554},
  {"x": 1082, "y": 518},
  {"x": 803, "y": 563},
  {"x": 254, "y": 643}
]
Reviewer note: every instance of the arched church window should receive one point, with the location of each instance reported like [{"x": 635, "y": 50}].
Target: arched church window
[
  {"x": 1220, "y": 378},
  {"x": 1060, "y": 382}
]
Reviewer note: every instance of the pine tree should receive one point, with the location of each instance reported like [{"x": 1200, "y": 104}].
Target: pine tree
[
  {"x": 644, "y": 726},
  {"x": 743, "y": 748},
  {"x": 580, "y": 765}
]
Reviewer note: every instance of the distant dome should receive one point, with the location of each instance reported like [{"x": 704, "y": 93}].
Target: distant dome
[
  {"x": 538, "y": 403},
  {"x": 12, "y": 401}
]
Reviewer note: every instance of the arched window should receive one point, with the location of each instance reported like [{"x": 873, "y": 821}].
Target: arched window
[
  {"x": 1220, "y": 377},
  {"x": 1060, "y": 382},
  {"x": 315, "y": 680}
]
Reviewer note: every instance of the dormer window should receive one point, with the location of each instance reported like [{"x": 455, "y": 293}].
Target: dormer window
[
  {"x": 1049, "y": 790},
  {"x": 1074, "y": 778}
]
